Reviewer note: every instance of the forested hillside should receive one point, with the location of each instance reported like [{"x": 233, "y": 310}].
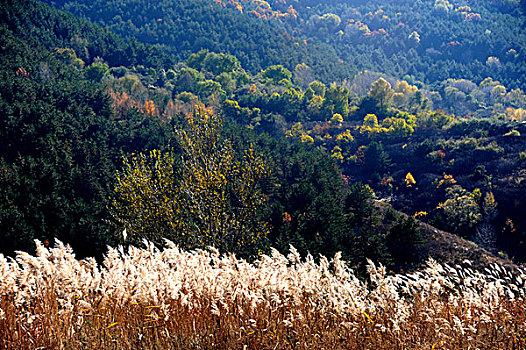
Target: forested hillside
[
  {"x": 427, "y": 41},
  {"x": 69, "y": 121},
  {"x": 184, "y": 27},
  {"x": 330, "y": 148},
  {"x": 60, "y": 143},
  {"x": 430, "y": 41}
]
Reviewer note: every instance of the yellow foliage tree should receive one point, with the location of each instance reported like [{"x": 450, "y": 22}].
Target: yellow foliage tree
[
  {"x": 207, "y": 197},
  {"x": 336, "y": 120},
  {"x": 518, "y": 114},
  {"x": 370, "y": 121},
  {"x": 371, "y": 128},
  {"x": 461, "y": 208},
  {"x": 403, "y": 93},
  {"x": 345, "y": 137},
  {"x": 298, "y": 132},
  {"x": 337, "y": 154},
  {"x": 382, "y": 92},
  {"x": 397, "y": 127},
  {"x": 409, "y": 180}
]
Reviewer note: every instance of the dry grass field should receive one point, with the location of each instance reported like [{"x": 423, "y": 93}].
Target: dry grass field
[{"x": 172, "y": 299}]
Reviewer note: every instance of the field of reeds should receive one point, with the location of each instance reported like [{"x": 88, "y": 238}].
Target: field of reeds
[{"x": 172, "y": 299}]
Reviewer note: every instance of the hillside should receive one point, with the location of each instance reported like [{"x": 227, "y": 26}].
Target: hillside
[
  {"x": 430, "y": 41},
  {"x": 426, "y": 41},
  {"x": 243, "y": 174},
  {"x": 59, "y": 142},
  {"x": 185, "y": 27},
  {"x": 452, "y": 250},
  {"x": 322, "y": 144}
]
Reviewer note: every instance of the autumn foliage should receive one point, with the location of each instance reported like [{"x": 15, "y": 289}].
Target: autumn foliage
[{"x": 204, "y": 196}]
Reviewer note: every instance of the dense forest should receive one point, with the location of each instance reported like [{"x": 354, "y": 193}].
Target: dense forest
[
  {"x": 421, "y": 41},
  {"x": 60, "y": 142},
  {"x": 328, "y": 121},
  {"x": 68, "y": 121}
]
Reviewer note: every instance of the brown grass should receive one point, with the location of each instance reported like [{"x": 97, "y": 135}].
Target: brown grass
[{"x": 172, "y": 299}]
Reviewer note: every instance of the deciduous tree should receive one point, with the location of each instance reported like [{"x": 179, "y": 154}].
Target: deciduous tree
[{"x": 208, "y": 196}]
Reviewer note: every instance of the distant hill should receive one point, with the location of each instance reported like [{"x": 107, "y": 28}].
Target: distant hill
[
  {"x": 432, "y": 40},
  {"x": 45, "y": 28},
  {"x": 428, "y": 41},
  {"x": 187, "y": 26}
]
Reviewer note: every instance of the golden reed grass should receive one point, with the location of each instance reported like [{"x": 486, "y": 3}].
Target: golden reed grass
[{"x": 173, "y": 299}]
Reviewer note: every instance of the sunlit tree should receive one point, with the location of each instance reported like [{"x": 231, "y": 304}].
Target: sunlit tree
[
  {"x": 461, "y": 209},
  {"x": 382, "y": 92},
  {"x": 276, "y": 73},
  {"x": 205, "y": 197}
]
